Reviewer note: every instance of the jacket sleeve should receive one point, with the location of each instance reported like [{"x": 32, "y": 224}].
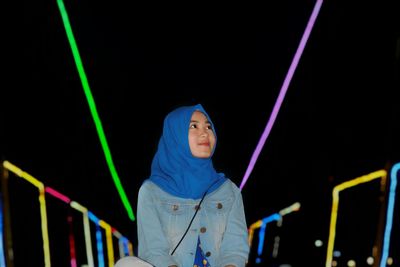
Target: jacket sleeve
[
  {"x": 153, "y": 244},
  {"x": 235, "y": 247}
]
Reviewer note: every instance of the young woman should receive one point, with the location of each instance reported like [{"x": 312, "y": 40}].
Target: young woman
[{"x": 188, "y": 214}]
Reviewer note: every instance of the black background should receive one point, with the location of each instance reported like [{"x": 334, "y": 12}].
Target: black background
[{"x": 339, "y": 119}]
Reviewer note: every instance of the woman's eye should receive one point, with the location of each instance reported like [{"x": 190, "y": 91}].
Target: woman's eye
[
  {"x": 193, "y": 126},
  {"x": 209, "y": 127}
]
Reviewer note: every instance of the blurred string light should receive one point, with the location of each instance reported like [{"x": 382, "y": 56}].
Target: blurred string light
[
  {"x": 337, "y": 254},
  {"x": 318, "y": 243},
  {"x": 351, "y": 263},
  {"x": 110, "y": 249},
  {"x": 389, "y": 215},
  {"x": 99, "y": 239},
  {"x": 262, "y": 224},
  {"x": 42, "y": 202},
  {"x": 335, "y": 203},
  {"x": 282, "y": 91},
  {"x": 93, "y": 109}
]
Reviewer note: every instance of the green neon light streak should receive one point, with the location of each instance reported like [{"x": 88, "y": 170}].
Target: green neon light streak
[{"x": 93, "y": 109}]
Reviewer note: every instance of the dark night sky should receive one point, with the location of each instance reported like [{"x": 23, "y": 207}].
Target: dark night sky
[{"x": 339, "y": 119}]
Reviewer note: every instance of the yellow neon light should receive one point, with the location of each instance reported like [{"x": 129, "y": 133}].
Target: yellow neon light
[
  {"x": 86, "y": 229},
  {"x": 42, "y": 202},
  {"x": 252, "y": 227},
  {"x": 45, "y": 235},
  {"x": 23, "y": 174},
  {"x": 110, "y": 249},
  {"x": 335, "y": 203},
  {"x": 130, "y": 247}
]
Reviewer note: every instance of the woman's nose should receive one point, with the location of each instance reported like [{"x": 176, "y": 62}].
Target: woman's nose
[{"x": 204, "y": 132}]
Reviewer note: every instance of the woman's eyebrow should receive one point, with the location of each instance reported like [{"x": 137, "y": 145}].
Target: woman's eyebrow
[{"x": 207, "y": 122}]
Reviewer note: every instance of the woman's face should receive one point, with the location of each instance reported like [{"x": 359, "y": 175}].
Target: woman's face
[{"x": 201, "y": 136}]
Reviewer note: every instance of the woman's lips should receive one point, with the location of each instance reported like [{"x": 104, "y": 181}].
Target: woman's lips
[{"x": 204, "y": 144}]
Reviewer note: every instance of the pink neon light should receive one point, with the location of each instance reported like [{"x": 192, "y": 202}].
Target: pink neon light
[
  {"x": 57, "y": 194},
  {"x": 282, "y": 92}
]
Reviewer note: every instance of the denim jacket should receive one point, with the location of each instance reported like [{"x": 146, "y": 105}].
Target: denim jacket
[{"x": 162, "y": 219}]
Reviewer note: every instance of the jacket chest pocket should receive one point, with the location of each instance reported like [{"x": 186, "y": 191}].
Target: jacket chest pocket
[
  {"x": 218, "y": 211},
  {"x": 220, "y": 207},
  {"x": 173, "y": 217}
]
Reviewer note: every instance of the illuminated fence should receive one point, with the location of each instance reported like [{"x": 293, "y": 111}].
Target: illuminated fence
[
  {"x": 382, "y": 251},
  {"x": 262, "y": 225},
  {"x": 380, "y": 174},
  {"x": 48, "y": 247}
]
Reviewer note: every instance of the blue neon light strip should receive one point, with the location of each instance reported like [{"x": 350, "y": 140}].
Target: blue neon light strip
[
  {"x": 126, "y": 247},
  {"x": 100, "y": 252},
  {"x": 99, "y": 239},
  {"x": 389, "y": 213},
  {"x": 2, "y": 256},
  {"x": 261, "y": 233}
]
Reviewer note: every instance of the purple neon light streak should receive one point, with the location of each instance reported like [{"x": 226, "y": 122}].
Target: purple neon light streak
[{"x": 282, "y": 92}]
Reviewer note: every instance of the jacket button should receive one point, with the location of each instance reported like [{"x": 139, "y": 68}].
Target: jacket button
[
  {"x": 219, "y": 206},
  {"x": 196, "y": 207},
  {"x": 203, "y": 229},
  {"x": 208, "y": 254},
  {"x": 175, "y": 207}
]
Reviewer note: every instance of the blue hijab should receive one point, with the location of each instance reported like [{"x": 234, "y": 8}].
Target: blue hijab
[{"x": 174, "y": 169}]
